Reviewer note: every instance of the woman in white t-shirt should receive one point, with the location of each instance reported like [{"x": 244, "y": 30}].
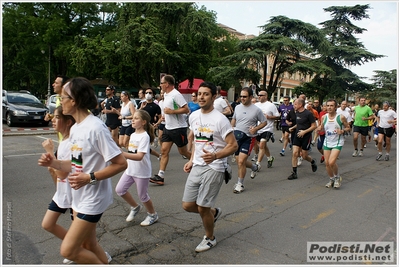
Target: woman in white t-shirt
[
  {"x": 386, "y": 119},
  {"x": 126, "y": 115},
  {"x": 95, "y": 157},
  {"x": 139, "y": 168},
  {"x": 62, "y": 199}
]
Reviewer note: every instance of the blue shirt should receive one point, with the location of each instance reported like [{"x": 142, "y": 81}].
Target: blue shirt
[{"x": 193, "y": 106}]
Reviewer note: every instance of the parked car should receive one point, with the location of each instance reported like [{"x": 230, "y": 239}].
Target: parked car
[
  {"x": 22, "y": 107},
  {"x": 50, "y": 103}
]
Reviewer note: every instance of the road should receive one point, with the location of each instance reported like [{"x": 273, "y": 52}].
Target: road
[{"x": 269, "y": 223}]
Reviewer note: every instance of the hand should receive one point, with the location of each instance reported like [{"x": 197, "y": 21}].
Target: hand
[
  {"x": 78, "y": 180},
  {"x": 48, "y": 117},
  {"x": 48, "y": 145},
  {"x": 188, "y": 166},
  {"x": 168, "y": 111},
  {"x": 300, "y": 133},
  {"x": 46, "y": 159},
  {"x": 208, "y": 157},
  {"x": 252, "y": 130}
]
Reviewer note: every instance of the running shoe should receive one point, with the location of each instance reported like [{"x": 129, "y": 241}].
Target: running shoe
[
  {"x": 157, "y": 180},
  {"x": 233, "y": 158},
  {"x": 282, "y": 153},
  {"x": 108, "y": 257},
  {"x": 217, "y": 214},
  {"x": 255, "y": 158},
  {"x": 133, "y": 213},
  {"x": 293, "y": 176},
  {"x": 322, "y": 159},
  {"x": 360, "y": 153},
  {"x": 281, "y": 140},
  {"x": 314, "y": 166},
  {"x": 272, "y": 138},
  {"x": 355, "y": 153},
  {"x": 337, "y": 182},
  {"x": 386, "y": 157},
  {"x": 206, "y": 244},
  {"x": 150, "y": 219},
  {"x": 238, "y": 188},
  {"x": 379, "y": 156},
  {"x": 270, "y": 162},
  {"x": 330, "y": 183},
  {"x": 255, "y": 168},
  {"x": 299, "y": 162}
]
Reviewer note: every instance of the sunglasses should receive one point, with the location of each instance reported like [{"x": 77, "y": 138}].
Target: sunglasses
[{"x": 243, "y": 96}]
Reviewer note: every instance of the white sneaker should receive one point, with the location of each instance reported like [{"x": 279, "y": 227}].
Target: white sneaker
[
  {"x": 205, "y": 244},
  {"x": 355, "y": 153},
  {"x": 238, "y": 188},
  {"x": 254, "y": 171},
  {"x": 255, "y": 158},
  {"x": 133, "y": 213},
  {"x": 330, "y": 183},
  {"x": 150, "y": 219},
  {"x": 233, "y": 158},
  {"x": 66, "y": 261},
  {"x": 360, "y": 153},
  {"x": 337, "y": 182},
  {"x": 108, "y": 257},
  {"x": 299, "y": 162}
]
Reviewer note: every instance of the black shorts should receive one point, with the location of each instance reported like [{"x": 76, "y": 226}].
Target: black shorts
[
  {"x": 264, "y": 135},
  {"x": 303, "y": 142},
  {"x": 388, "y": 132},
  {"x": 54, "y": 207},
  {"x": 245, "y": 143},
  {"x": 177, "y": 136},
  {"x": 126, "y": 130},
  {"x": 362, "y": 130},
  {"x": 161, "y": 126},
  {"x": 90, "y": 218},
  {"x": 285, "y": 129}
]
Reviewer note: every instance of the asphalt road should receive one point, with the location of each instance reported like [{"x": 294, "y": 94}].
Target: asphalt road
[{"x": 269, "y": 223}]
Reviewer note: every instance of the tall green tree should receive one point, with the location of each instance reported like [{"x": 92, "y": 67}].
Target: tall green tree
[
  {"x": 384, "y": 87},
  {"x": 330, "y": 70},
  {"x": 275, "y": 51}
]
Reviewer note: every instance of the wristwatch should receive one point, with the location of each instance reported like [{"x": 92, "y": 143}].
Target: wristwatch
[{"x": 93, "y": 179}]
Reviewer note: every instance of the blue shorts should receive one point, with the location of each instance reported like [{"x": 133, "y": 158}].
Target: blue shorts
[
  {"x": 54, "y": 207},
  {"x": 90, "y": 218},
  {"x": 245, "y": 142},
  {"x": 126, "y": 130}
]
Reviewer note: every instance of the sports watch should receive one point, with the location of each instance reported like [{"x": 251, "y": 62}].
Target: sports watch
[{"x": 93, "y": 179}]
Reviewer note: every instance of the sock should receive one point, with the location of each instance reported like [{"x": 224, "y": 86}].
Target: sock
[
  {"x": 240, "y": 180},
  {"x": 386, "y": 154},
  {"x": 294, "y": 169},
  {"x": 257, "y": 163},
  {"x": 380, "y": 153},
  {"x": 332, "y": 178},
  {"x": 361, "y": 149},
  {"x": 161, "y": 173}
]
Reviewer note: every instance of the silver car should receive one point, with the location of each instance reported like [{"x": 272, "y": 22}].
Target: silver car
[{"x": 50, "y": 103}]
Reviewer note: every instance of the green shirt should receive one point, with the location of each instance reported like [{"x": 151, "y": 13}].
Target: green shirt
[{"x": 361, "y": 112}]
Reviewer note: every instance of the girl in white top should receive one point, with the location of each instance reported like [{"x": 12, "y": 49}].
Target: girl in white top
[
  {"x": 139, "y": 168},
  {"x": 126, "y": 115},
  {"x": 62, "y": 199},
  {"x": 95, "y": 157}
]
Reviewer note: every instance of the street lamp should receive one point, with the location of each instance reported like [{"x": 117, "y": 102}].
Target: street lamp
[{"x": 49, "y": 81}]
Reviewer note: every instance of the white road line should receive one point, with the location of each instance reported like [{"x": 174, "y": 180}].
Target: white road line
[
  {"x": 22, "y": 155},
  {"x": 45, "y": 138}
]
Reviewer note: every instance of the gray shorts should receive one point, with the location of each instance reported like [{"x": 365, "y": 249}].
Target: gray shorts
[{"x": 202, "y": 186}]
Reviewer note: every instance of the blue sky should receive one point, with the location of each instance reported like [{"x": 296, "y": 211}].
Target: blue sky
[{"x": 380, "y": 38}]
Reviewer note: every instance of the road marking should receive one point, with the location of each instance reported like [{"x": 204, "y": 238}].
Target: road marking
[
  {"x": 289, "y": 198},
  {"x": 365, "y": 193},
  {"x": 319, "y": 217},
  {"x": 45, "y": 138},
  {"x": 22, "y": 155}
]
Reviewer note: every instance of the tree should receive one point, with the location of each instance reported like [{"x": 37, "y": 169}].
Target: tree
[
  {"x": 282, "y": 44},
  {"x": 384, "y": 87},
  {"x": 331, "y": 76}
]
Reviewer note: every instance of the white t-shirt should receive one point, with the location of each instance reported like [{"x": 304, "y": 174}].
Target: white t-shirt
[
  {"x": 268, "y": 108},
  {"x": 246, "y": 117},
  {"x": 346, "y": 113},
  {"x": 174, "y": 100},
  {"x": 386, "y": 116},
  {"x": 220, "y": 104},
  {"x": 210, "y": 131},
  {"x": 92, "y": 147},
  {"x": 63, "y": 195},
  {"x": 139, "y": 143},
  {"x": 125, "y": 111}
]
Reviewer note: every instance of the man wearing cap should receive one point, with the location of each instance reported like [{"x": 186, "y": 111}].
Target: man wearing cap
[{"x": 111, "y": 106}]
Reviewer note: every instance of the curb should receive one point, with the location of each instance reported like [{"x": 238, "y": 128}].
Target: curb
[{"x": 28, "y": 131}]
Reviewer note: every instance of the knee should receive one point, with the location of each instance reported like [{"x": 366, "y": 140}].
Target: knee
[
  {"x": 47, "y": 226},
  {"x": 120, "y": 191},
  {"x": 67, "y": 252},
  {"x": 189, "y": 206}
]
